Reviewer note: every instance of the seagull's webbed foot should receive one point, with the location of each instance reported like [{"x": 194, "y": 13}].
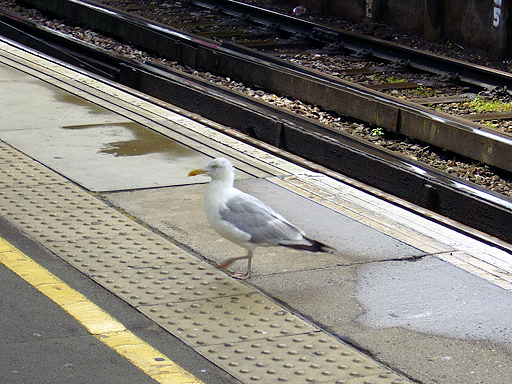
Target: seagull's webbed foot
[{"x": 241, "y": 276}]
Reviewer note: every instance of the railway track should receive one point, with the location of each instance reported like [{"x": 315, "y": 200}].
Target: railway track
[
  {"x": 229, "y": 21},
  {"x": 430, "y": 80},
  {"x": 284, "y": 78},
  {"x": 412, "y": 181}
]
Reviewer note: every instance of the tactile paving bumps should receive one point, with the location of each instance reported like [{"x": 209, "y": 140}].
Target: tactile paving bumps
[
  {"x": 227, "y": 319},
  {"x": 116, "y": 254},
  {"x": 57, "y": 211},
  {"x": 313, "y": 357},
  {"x": 18, "y": 170},
  {"x": 189, "y": 281}
]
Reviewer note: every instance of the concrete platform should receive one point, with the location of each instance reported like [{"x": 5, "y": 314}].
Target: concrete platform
[
  {"x": 169, "y": 211},
  {"x": 97, "y": 175}
]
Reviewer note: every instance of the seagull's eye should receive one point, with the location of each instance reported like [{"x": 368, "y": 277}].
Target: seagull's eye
[{"x": 215, "y": 166}]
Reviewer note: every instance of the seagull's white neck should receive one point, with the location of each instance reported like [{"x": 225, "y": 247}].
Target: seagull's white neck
[
  {"x": 221, "y": 184},
  {"x": 218, "y": 187}
]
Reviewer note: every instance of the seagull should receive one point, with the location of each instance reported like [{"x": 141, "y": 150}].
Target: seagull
[{"x": 245, "y": 220}]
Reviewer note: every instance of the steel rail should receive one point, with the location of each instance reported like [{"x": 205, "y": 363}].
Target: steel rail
[
  {"x": 380, "y": 49},
  {"x": 272, "y": 74},
  {"x": 289, "y": 135}
]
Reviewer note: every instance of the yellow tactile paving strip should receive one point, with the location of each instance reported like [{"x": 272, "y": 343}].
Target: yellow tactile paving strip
[
  {"x": 95, "y": 320},
  {"x": 230, "y": 323},
  {"x": 227, "y": 320}
]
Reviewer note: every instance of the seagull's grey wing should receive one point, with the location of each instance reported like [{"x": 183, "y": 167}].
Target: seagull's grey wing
[{"x": 265, "y": 226}]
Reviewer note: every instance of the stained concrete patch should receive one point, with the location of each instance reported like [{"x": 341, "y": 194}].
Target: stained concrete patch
[{"x": 432, "y": 296}]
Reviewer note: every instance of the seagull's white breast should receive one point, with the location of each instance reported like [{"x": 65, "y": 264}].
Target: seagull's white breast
[{"x": 216, "y": 197}]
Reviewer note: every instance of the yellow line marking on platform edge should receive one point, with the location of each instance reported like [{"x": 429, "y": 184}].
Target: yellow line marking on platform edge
[{"x": 98, "y": 322}]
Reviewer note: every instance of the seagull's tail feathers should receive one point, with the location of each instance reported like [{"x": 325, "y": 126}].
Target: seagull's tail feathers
[{"x": 310, "y": 245}]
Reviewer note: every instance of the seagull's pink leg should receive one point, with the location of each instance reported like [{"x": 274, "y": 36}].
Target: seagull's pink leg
[
  {"x": 230, "y": 261},
  {"x": 241, "y": 276}
]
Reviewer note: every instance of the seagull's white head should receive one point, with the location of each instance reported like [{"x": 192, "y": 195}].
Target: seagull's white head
[{"x": 217, "y": 169}]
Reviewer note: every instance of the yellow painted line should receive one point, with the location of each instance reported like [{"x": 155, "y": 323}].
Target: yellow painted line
[{"x": 98, "y": 322}]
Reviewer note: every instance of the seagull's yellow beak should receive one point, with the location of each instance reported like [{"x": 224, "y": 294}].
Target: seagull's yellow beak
[{"x": 196, "y": 172}]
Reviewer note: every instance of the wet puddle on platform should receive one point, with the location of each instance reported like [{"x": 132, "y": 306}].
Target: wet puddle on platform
[
  {"x": 144, "y": 142},
  {"x": 123, "y": 155},
  {"x": 96, "y": 147},
  {"x": 73, "y": 100}
]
